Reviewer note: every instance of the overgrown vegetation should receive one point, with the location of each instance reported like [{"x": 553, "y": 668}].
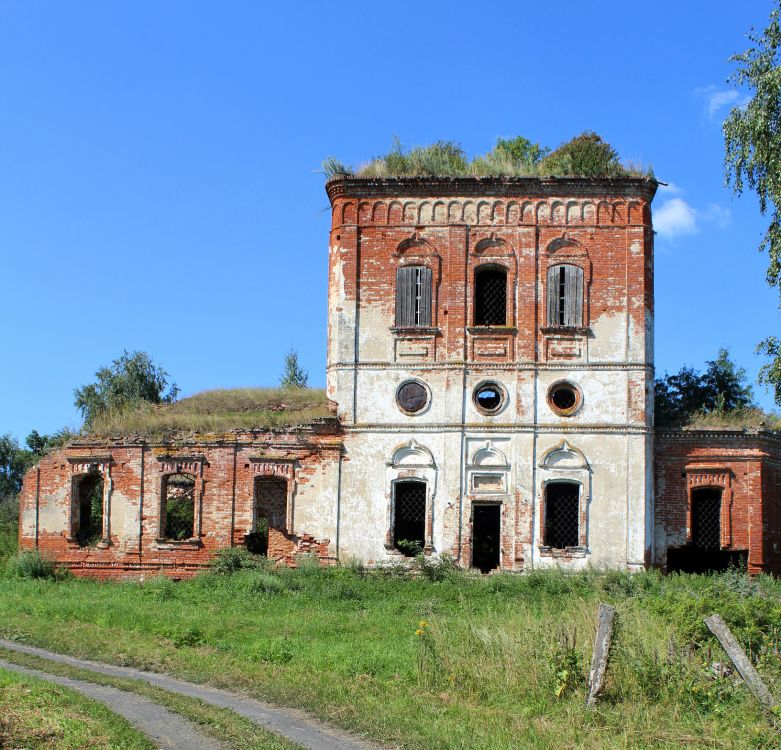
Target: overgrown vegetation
[
  {"x": 586, "y": 155},
  {"x": 37, "y": 715},
  {"x": 130, "y": 380},
  {"x": 293, "y": 375},
  {"x": 217, "y": 411},
  {"x": 495, "y": 662}
]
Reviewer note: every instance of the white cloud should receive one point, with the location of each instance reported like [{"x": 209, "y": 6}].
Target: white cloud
[
  {"x": 675, "y": 217},
  {"x": 669, "y": 188},
  {"x": 718, "y": 215},
  {"x": 716, "y": 99}
]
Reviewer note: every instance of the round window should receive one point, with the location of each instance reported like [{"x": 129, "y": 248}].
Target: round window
[
  {"x": 412, "y": 396},
  {"x": 564, "y": 398},
  {"x": 489, "y": 397}
]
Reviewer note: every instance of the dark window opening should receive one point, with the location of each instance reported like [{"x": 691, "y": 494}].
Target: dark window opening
[
  {"x": 179, "y": 507},
  {"x": 409, "y": 517},
  {"x": 490, "y": 297},
  {"x": 412, "y": 396},
  {"x": 89, "y": 525},
  {"x": 486, "y": 526},
  {"x": 270, "y": 512},
  {"x": 705, "y": 554},
  {"x": 489, "y": 397},
  {"x": 562, "y": 515},
  {"x": 563, "y": 397},
  {"x": 565, "y": 296},
  {"x": 413, "y": 297}
]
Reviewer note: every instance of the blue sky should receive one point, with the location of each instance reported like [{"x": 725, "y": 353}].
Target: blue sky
[{"x": 159, "y": 184}]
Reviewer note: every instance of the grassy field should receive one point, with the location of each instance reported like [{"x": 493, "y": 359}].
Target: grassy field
[
  {"x": 462, "y": 662},
  {"x": 35, "y": 715}
]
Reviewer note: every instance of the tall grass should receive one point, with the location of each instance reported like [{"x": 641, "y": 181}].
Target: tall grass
[
  {"x": 445, "y": 660},
  {"x": 217, "y": 411}
]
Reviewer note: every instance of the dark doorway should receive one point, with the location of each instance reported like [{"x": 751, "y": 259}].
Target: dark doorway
[
  {"x": 409, "y": 517},
  {"x": 486, "y": 526},
  {"x": 705, "y": 554},
  {"x": 89, "y": 529}
]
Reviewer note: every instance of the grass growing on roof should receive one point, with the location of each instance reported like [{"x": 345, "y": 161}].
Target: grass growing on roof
[
  {"x": 445, "y": 661},
  {"x": 35, "y": 714},
  {"x": 735, "y": 419},
  {"x": 218, "y": 411},
  {"x": 586, "y": 155}
]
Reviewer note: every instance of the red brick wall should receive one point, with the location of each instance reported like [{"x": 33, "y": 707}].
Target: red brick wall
[
  {"x": 226, "y": 470},
  {"x": 745, "y": 466}
]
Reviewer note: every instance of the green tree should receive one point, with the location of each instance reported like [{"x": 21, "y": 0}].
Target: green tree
[
  {"x": 721, "y": 388},
  {"x": 293, "y": 376},
  {"x": 131, "y": 379},
  {"x": 520, "y": 150},
  {"x": 13, "y": 464},
  {"x": 586, "y": 155},
  {"x": 752, "y": 157}
]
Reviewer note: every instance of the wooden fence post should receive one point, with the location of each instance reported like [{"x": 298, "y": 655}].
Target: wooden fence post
[
  {"x": 596, "y": 678},
  {"x": 745, "y": 668}
]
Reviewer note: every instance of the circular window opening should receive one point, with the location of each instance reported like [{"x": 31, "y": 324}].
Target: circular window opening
[
  {"x": 489, "y": 397},
  {"x": 412, "y": 396},
  {"x": 564, "y": 398}
]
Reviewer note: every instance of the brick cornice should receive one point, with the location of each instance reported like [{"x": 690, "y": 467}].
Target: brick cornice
[{"x": 426, "y": 187}]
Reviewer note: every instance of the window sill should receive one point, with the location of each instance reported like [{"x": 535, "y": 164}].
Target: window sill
[
  {"x": 567, "y": 330},
  {"x": 567, "y": 552},
  {"x": 415, "y": 331},
  {"x": 192, "y": 543},
  {"x": 483, "y": 330}
]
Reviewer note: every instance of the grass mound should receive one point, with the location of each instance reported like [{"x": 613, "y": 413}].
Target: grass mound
[{"x": 218, "y": 411}]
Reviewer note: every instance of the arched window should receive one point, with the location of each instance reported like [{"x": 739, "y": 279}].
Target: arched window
[
  {"x": 177, "y": 509},
  {"x": 88, "y": 526},
  {"x": 413, "y": 297},
  {"x": 565, "y": 296},
  {"x": 490, "y": 296},
  {"x": 409, "y": 516},
  {"x": 562, "y": 515}
]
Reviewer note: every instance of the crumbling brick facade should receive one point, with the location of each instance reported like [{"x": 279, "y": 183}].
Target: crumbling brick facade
[
  {"x": 490, "y": 356},
  {"x": 225, "y": 468},
  {"x": 744, "y": 468}
]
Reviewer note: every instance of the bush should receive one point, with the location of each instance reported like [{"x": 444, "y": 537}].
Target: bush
[
  {"x": 9, "y": 527},
  {"x": 437, "y": 568},
  {"x": 230, "y": 560},
  {"x": 32, "y": 565}
]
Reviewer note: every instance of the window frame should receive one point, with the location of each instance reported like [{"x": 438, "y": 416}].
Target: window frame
[
  {"x": 578, "y": 510},
  {"x": 414, "y": 296},
  {"x": 565, "y": 296}
]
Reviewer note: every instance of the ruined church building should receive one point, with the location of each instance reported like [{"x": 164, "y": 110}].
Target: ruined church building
[{"x": 490, "y": 362}]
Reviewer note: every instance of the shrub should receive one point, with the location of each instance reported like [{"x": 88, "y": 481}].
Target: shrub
[
  {"x": 437, "y": 568},
  {"x": 266, "y": 584},
  {"x": 230, "y": 560},
  {"x": 32, "y": 565}
]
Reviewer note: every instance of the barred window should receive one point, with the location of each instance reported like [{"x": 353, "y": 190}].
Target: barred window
[
  {"x": 413, "y": 297},
  {"x": 562, "y": 515},
  {"x": 490, "y": 296},
  {"x": 409, "y": 516},
  {"x": 706, "y": 518},
  {"x": 565, "y": 296}
]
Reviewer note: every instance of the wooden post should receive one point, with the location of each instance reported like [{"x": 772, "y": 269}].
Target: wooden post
[
  {"x": 745, "y": 668},
  {"x": 596, "y": 678}
]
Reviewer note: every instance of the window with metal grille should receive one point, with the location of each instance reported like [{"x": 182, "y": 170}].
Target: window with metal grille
[
  {"x": 490, "y": 297},
  {"x": 565, "y": 296},
  {"x": 562, "y": 515},
  {"x": 409, "y": 516},
  {"x": 706, "y": 518},
  {"x": 178, "y": 511},
  {"x": 413, "y": 297}
]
